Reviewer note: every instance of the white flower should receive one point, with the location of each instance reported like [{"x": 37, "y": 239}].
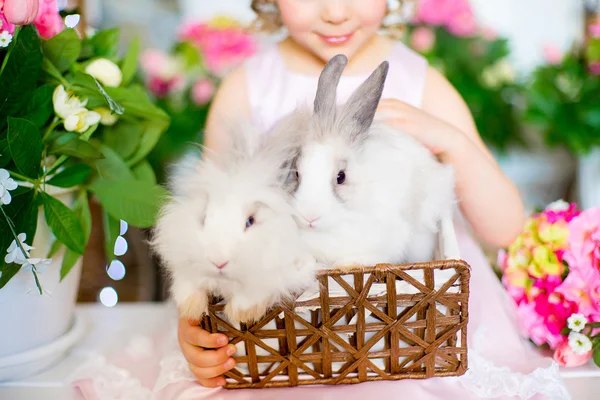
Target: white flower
[
  {"x": 6, "y": 184},
  {"x": 579, "y": 343},
  {"x": 106, "y": 116},
  {"x": 106, "y": 71},
  {"x": 558, "y": 205},
  {"x": 500, "y": 72},
  {"x": 5, "y": 39},
  {"x": 65, "y": 103},
  {"x": 39, "y": 264},
  {"x": 81, "y": 120},
  {"x": 576, "y": 322},
  {"x": 15, "y": 254}
]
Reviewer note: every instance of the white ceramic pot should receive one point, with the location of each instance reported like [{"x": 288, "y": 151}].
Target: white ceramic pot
[
  {"x": 30, "y": 321},
  {"x": 541, "y": 175},
  {"x": 588, "y": 179}
]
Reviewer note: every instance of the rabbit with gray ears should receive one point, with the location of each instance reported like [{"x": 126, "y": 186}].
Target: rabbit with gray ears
[
  {"x": 228, "y": 230},
  {"x": 365, "y": 192}
]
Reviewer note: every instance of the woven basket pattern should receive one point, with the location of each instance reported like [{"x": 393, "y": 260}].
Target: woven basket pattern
[{"x": 362, "y": 337}]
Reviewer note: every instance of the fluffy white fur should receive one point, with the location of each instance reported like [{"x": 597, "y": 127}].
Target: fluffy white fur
[
  {"x": 204, "y": 225},
  {"x": 395, "y": 193}
]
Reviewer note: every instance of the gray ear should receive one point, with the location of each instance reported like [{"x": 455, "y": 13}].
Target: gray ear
[
  {"x": 325, "y": 103},
  {"x": 358, "y": 113}
]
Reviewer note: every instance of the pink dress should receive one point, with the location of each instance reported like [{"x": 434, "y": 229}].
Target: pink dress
[{"x": 502, "y": 365}]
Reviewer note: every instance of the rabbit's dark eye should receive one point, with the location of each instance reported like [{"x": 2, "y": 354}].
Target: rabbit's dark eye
[
  {"x": 341, "y": 177},
  {"x": 297, "y": 175},
  {"x": 250, "y": 222}
]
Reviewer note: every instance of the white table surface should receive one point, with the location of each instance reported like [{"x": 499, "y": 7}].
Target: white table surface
[{"x": 106, "y": 325}]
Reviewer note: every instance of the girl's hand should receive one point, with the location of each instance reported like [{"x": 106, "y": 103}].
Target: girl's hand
[
  {"x": 440, "y": 137},
  {"x": 207, "y": 365}
]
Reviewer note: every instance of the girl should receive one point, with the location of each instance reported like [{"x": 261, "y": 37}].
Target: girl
[{"x": 421, "y": 102}]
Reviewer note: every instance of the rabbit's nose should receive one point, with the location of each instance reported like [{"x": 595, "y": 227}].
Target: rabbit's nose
[
  {"x": 311, "y": 220},
  {"x": 220, "y": 265}
]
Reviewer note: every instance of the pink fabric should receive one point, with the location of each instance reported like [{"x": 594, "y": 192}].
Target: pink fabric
[{"x": 500, "y": 361}]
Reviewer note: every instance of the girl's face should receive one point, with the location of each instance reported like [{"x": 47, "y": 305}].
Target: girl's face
[{"x": 330, "y": 27}]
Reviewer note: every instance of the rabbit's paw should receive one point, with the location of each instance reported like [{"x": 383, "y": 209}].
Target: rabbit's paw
[
  {"x": 246, "y": 315},
  {"x": 194, "y": 306}
]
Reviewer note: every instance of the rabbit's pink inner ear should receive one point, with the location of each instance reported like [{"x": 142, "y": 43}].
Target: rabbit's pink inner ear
[
  {"x": 358, "y": 113},
  {"x": 325, "y": 99}
]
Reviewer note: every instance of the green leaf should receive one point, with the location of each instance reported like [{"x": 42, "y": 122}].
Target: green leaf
[
  {"x": 69, "y": 143},
  {"x": 23, "y": 212},
  {"x": 69, "y": 260},
  {"x": 596, "y": 356},
  {"x": 88, "y": 87},
  {"x": 25, "y": 145},
  {"x": 130, "y": 62},
  {"x": 71, "y": 176},
  {"x": 136, "y": 103},
  {"x": 136, "y": 202},
  {"x": 112, "y": 228},
  {"x": 20, "y": 74},
  {"x": 144, "y": 172},
  {"x": 82, "y": 210},
  {"x": 63, "y": 49},
  {"x": 64, "y": 224},
  {"x": 40, "y": 108},
  {"x": 4, "y": 153},
  {"x": 152, "y": 134},
  {"x": 112, "y": 167},
  {"x": 593, "y": 324},
  {"x": 105, "y": 43},
  {"x": 124, "y": 137}
]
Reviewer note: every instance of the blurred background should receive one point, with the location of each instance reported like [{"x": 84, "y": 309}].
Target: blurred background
[{"x": 529, "y": 71}]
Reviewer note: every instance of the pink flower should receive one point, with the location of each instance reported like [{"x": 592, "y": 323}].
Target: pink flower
[
  {"x": 161, "y": 88},
  {"x": 584, "y": 239},
  {"x": 594, "y": 67},
  {"x": 534, "y": 327},
  {"x": 594, "y": 29},
  {"x": 575, "y": 289},
  {"x": 48, "y": 21},
  {"x": 422, "y": 39},
  {"x": 203, "y": 91},
  {"x": 164, "y": 74},
  {"x": 552, "y": 54},
  {"x": 566, "y": 357},
  {"x": 20, "y": 12},
  {"x": 454, "y": 15},
  {"x": 5, "y": 25}
]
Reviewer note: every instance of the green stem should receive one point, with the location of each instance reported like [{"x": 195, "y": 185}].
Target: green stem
[
  {"x": 60, "y": 161},
  {"x": 37, "y": 280},
  {"x": 54, "y": 124},
  {"x": 14, "y": 39},
  {"x": 22, "y": 177}
]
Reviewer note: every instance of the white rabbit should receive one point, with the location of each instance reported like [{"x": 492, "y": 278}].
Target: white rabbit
[
  {"x": 228, "y": 230},
  {"x": 366, "y": 193}
]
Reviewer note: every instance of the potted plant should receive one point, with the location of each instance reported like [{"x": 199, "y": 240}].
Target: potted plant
[
  {"x": 563, "y": 101},
  {"x": 74, "y": 125},
  {"x": 477, "y": 62}
]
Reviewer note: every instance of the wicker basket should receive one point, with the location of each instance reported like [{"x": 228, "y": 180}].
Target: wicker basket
[{"x": 361, "y": 338}]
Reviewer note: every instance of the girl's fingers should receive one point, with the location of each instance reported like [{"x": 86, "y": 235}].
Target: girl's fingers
[
  {"x": 212, "y": 372},
  {"x": 206, "y": 358},
  {"x": 197, "y": 336}
]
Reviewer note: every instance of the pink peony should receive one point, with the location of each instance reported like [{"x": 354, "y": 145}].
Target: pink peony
[
  {"x": 584, "y": 240},
  {"x": 552, "y": 54},
  {"x": 203, "y": 91},
  {"x": 222, "y": 46},
  {"x": 594, "y": 67},
  {"x": 566, "y": 357},
  {"x": 48, "y": 21},
  {"x": 575, "y": 288},
  {"x": 422, "y": 39},
  {"x": 454, "y": 15}
]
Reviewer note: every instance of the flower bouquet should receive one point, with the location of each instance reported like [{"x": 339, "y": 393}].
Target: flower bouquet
[
  {"x": 475, "y": 61},
  {"x": 552, "y": 272},
  {"x": 74, "y": 122},
  {"x": 183, "y": 81}
]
